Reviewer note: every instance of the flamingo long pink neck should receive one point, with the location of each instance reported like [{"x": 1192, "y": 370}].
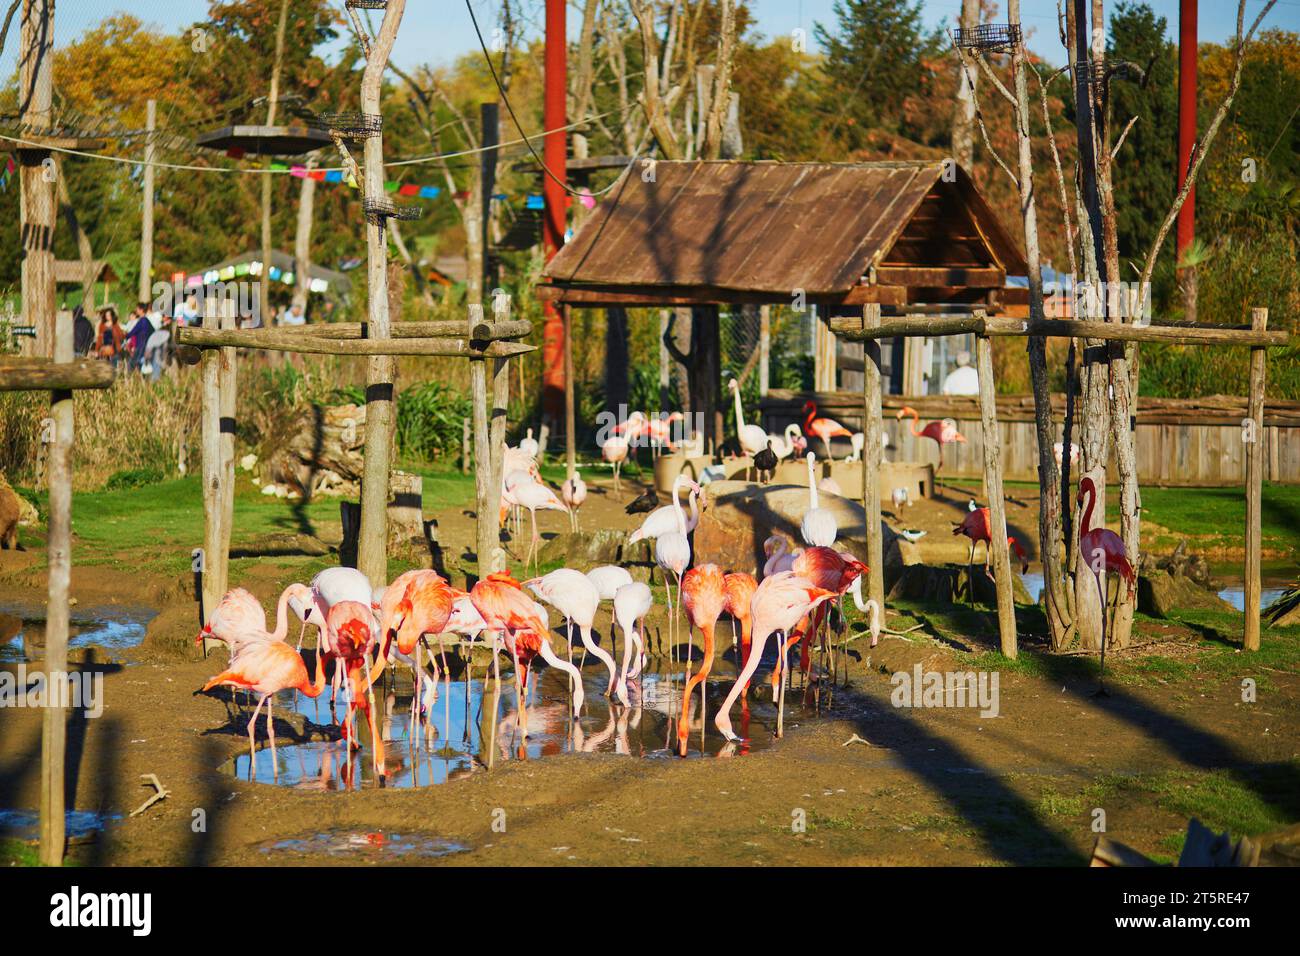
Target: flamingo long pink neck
[
  {"x": 281, "y": 618},
  {"x": 1090, "y": 490},
  {"x": 916, "y": 420}
]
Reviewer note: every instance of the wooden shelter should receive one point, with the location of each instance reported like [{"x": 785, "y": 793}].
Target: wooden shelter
[{"x": 705, "y": 233}]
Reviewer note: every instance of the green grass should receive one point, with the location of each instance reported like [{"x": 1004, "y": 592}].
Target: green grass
[{"x": 18, "y": 853}]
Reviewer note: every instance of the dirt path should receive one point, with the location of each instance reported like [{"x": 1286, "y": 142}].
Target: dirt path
[{"x": 929, "y": 786}]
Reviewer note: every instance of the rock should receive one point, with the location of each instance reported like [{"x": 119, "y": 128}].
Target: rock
[
  {"x": 1162, "y": 593},
  {"x": 588, "y": 549},
  {"x": 950, "y": 584},
  {"x": 248, "y": 462},
  {"x": 317, "y": 449},
  {"x": 739, "y": 516}
]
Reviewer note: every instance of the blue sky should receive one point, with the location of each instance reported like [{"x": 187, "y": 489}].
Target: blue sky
[{"x": 437, "y": 31}]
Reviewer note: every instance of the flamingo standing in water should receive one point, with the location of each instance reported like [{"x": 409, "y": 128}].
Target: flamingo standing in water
[
  {"x": 574, "y": 493},
  {"x": 574, "y": 595},
  {"x": 511, "y": 614},
  {"x": 740, "y": 589},
  {"x": 818, "y": 525},
  {"x": 823, "y": 428},
  {"x": 673, "y": 553},
  {"x": 752, "y": 438},
  {"x": 1102, "y": 550},
  {"x": 779, "y": 604},
  {"x": 268, "y": 667},
  {"x": 350, "y": 625},
  {"x": 417, "y": 603},
  {"x": 704, "y": 595},
  {"x": 940, "y": 432},
  {"x": 632, "y": 603}
]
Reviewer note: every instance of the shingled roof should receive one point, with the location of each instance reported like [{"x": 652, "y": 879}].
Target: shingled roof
[{"x": 897, "y": 233}]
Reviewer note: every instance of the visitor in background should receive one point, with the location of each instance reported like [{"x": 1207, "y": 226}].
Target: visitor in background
[
  {"x": 294, "y": 315},
  {"x": 156, "y": 349},
  {"x": 138, "y": 330},
  {"x": 83, "y": 332},
  {"x": 109, "y": 336},
  {"x": 963, "y": 380},
  {"x": 187, "y": 312}
]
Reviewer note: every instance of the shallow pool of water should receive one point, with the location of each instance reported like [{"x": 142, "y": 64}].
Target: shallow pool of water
[
  {"x": 114, "y": 627},
  {"x": 1235, "y": 594},
  {"x": 374, "y": 846},
  {"x": 459, "y": 737},
  {"x": 26, "y": 824}
]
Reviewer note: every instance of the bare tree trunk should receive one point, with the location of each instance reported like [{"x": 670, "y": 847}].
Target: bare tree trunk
[
  {"x": 302, "y": 238},
  {"x": 963, "y": 117},
  {"x": 272, "y": 100},
  {"x": 1049, "y": 515}
]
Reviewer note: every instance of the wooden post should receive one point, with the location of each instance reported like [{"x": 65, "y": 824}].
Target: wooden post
[
  {"x": 1254, "y": 435},
  {"x": 372, "y": 553},
  {"x": 54, "y": 728},
  {"x": 227, "y": 388},
  {"x": 146, "y": 211},
  {"x": 464, "y": 446},
  {"x": 997, "y": 506},
  {"x": 872, "y": 454},
  {"x": 211, "y": 566},
  {"x": 488, "y": 535},
  {"x": 570, "y": 429},
  {"x": 36, "y": 174},
  {"x": 824, "y": 348},
  {"x": 500, "y": 411},
  {"x": 764, "y": 349}
]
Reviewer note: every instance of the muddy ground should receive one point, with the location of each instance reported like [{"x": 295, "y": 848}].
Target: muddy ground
[{"x": 866, "y": 783}]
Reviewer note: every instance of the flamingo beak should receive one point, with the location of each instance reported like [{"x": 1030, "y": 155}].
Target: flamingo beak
[{"x": 206, "y": 632}]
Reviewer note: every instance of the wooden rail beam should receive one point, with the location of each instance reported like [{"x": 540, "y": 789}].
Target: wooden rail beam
[
  {"x": 484, "y": 331},
  {"x": 930, "y": 326},
  {"x": 44, "y": 375},
  {"x": 282, "y": 340}
]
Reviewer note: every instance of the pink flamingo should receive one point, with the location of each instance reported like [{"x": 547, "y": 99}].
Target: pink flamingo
[
  {"x": 976, "y": 526},
  {"x": 268, "y": 667},
  {"x": 940, "y": 432},
  {"x": 779, "y": 604},
  {"x": 673, "y": 553},
  {"x": 776, "y": 550},
  {"x": 704, "y": 595},
  {"x": 509, "y": 613},
  {"x": 823, "y": 428},
  {"x": 537, "y": 497},
  {"x": 740, "y": 589},
  {"x": 1102, "y": 550},
  {"x": 351, "y": 625},
  {"x": 660, "y": 431},
  {"x": 574, "y": 493},
  {"x": 614, "y": 451}
]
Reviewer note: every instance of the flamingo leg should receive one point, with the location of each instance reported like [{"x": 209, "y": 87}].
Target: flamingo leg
[
  {"x": 270, "y": 732},
  {"x": 722, "y": 720},
  {"x": 785, "y": 677},
  {"x": 252, "y": 732},
  {"x": 1100, "y": 578}
]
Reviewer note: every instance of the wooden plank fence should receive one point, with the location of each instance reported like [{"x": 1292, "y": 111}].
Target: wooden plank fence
[{"x": 1180, "y": 442}]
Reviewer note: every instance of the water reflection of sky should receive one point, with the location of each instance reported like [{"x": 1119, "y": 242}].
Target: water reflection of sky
[
  {"x": 459, "y": 738},
  {"x": 113, "y": 627},
  {"x": 1234, "y": 594}
]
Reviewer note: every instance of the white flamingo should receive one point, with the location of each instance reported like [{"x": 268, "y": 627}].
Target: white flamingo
[
  {"x": 790, "y": 443},
  {"x": 779, "y": 556},
  {"x": 663, "y": 520},
  {"x": 632, "y": 603},
  {"x": 818, "y": 526},
  {"x": 572, "y": 594},
  {"x": 752, "y": 438},
  {"x": 673, "y": 553},
  {"x": 574, "y": 493}
]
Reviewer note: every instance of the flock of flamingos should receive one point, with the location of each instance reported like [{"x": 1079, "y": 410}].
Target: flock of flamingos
[{"x": 362, "y": 629}]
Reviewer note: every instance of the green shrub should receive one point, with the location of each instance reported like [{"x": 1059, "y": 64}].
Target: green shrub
[{"x": 134, "y": 478}]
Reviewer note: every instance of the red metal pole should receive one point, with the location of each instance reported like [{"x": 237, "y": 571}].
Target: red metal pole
[
  {"x": 554, "y": 196},
  {"x": 1186, "y": 118}
]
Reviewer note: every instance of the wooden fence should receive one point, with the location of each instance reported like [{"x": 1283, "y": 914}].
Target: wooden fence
[{"x": 1180, "y": 442}]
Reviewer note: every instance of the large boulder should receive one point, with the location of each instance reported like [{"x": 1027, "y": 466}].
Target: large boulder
[
  {"x": 738, "y": 516},
  {"x": 318, "y": 450}
]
